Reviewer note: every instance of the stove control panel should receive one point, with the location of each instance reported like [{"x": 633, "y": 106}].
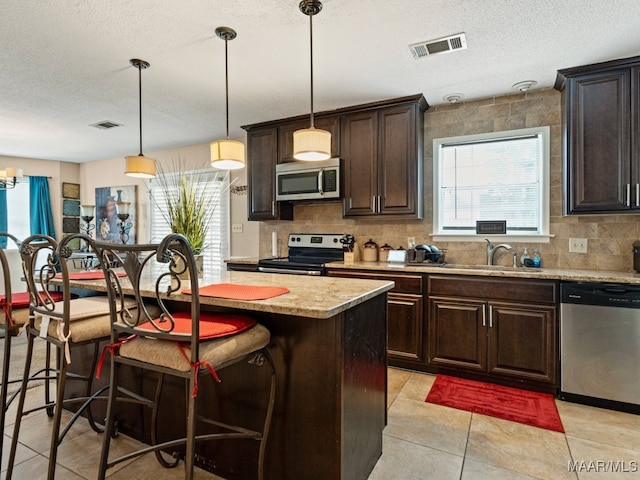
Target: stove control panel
[{"x": 315, "y": 240}]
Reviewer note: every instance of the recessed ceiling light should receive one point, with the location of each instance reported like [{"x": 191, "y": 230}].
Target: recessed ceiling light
[
  {"x": 453, "y": 97},
  {"x": 524, "y": 86}
]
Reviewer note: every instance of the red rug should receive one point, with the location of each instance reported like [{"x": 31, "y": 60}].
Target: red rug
[{"x": 522, "y": 406}]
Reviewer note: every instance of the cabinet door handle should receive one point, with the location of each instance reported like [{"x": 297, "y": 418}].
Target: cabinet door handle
[
  {"x": 484, "y": 316},
  {"x": 628, "y": 202},
  {"x": 273, "y": 208},
  {"x": 490, "y": 316},
  {"x": 637, "y": 194},
  {"x": 320, "y": 182},
  {"x": 373, "y": 203},
  {"x": 379, "y": 203}
]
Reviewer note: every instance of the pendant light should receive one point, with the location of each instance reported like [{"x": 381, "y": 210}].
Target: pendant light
[
  {"x": 311, "y": 144},
  {"x": 140, "y": 166},
  {"x": 227, "y": 154}
]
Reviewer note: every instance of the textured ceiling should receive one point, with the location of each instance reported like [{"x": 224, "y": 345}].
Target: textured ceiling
[{"x": 64, "y": 64}]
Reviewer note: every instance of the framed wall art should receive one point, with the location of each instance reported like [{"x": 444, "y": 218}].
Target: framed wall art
[
  {"x": 71, "y": 190},
  {"x": 116, "y": 210}
]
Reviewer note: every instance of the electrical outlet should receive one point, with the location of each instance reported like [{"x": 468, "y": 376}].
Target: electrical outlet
[
  {"x": 411, "y": 242},
  {"x": 236, "y": 228},
  {"x": 578, "y": 245}
]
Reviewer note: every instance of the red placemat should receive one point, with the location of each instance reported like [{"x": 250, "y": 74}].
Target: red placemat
[
  {"x": 212, "y": 325},
  {"x": 21, "y": 299},
  {"x": 88, "y": 275},
  {"x": 235, "y": 291}
]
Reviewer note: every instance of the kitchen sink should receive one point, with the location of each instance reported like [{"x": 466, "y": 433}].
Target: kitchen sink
[{"x": 495, "y": 268}]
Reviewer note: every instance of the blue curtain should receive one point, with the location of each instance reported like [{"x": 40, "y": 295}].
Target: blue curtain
[
  {"x": 40, "y": 207},
  {"x": 3, "y": 217}
]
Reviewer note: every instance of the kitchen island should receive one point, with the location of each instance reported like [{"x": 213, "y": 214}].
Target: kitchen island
[{"x": 328, "y": 342}]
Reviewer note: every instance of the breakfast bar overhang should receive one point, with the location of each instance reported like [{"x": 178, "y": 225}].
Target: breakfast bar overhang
[{"x": 328, "y": 342}]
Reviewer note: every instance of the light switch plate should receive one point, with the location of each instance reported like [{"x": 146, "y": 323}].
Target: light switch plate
[{"x": 236, "y": 228}]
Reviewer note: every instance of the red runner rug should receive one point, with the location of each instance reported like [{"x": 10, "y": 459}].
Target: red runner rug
[{"x": 522, "y": 406}]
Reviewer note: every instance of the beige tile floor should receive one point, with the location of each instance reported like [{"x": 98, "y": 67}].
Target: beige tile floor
[{"x": 421, "y": 441}]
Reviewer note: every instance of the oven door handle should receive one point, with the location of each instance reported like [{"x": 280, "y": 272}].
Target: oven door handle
[{"x": 289, "y": 270}]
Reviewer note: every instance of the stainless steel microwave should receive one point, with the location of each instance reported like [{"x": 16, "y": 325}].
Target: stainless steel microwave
[{"x": 308, "y": 180}]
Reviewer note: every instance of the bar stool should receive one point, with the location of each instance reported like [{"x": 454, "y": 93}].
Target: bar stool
[
  {"x": 64, "y": 325},
  {"x": 183, "y": 344},
  {"x": 14, "y": 313}
]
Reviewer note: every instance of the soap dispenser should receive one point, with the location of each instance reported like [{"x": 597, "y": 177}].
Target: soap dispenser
[
  {"x": 525, "y": 256},
  {"x": 536, "y": 258}
]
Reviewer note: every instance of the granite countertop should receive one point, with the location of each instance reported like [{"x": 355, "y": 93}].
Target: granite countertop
[
  {"x": 497, "y": 271},
  {"x": 313, "y": 297}
]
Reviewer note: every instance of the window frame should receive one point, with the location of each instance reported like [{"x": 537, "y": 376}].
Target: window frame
[
  {"x": 223, "y": 247},
  {"x": 545, "y": 202}
]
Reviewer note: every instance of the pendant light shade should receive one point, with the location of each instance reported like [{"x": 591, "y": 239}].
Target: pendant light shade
[
  {"x": 227, "y": 154},
  {"x": 311, "y": 144},
  {"x": 140, "y": 166}
]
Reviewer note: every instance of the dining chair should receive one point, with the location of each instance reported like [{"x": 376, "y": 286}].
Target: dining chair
[
  {"x": 65, "y": 324},
  {"x": 183, "y": 342}
]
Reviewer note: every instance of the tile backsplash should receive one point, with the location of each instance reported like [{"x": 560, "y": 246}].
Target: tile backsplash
[{"x": 610, "y": 237}]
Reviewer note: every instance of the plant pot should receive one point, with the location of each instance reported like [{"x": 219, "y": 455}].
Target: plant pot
[{"x": 199, "y": 267}]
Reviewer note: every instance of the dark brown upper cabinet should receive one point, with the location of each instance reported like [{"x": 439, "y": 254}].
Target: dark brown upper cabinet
[
  {"x": 381, "y": 147},
  {"x": 383, "y": 157},
  {"x": 601, "y": 144}
]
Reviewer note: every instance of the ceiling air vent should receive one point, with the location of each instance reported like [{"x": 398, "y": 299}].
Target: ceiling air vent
[
  {"x": 105, "y": 125},
  {"x": 441, "y": 45}
]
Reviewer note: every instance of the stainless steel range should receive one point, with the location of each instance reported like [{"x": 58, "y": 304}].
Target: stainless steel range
[{"x": 308, "y": 254}]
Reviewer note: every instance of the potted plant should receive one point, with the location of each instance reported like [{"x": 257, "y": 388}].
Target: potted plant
[{"x": 184, "y": 201}]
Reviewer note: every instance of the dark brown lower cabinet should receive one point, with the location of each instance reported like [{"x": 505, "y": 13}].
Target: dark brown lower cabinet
[
  {"x": 512, "y": 338},
  {"x": 406, "y": 344}
]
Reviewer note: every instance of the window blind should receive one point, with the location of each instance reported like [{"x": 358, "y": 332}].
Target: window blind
[
  {"x": 213, "y": 187},
  {"x": 496, "y": 179}
]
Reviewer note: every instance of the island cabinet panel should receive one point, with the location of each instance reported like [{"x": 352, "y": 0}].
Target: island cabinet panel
[
  {"x": 602, "y": 152},
  {"x": 497, "y": 329},
  {"x": 406, "y": 329},
  {"x": 262, "y": 149}
]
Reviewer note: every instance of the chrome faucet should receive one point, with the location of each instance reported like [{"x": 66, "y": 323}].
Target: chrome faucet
[{"x": 491, "y": 250}]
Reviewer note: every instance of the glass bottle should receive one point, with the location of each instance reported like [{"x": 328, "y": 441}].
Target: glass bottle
[
  {"x": 536, "y": 258},
  {"x": 524, "y": 256}
]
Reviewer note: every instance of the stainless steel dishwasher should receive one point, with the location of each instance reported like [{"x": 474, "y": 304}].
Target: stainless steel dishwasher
[{"x": 600, "y": 344}]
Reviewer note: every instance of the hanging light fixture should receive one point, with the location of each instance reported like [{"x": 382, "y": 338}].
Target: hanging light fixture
[
  {"x": 311, "y": 144},
  {"x": 139, "y": 165},
  {"x": 9, "y": 177},
  {"x": 227, "y": 154}
]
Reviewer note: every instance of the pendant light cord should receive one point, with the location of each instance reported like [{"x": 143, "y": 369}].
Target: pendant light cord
[
  {"x": 311, "y": 55},
  {"x": 140, "y": 104},
  {"x": 226, "y": 81}
]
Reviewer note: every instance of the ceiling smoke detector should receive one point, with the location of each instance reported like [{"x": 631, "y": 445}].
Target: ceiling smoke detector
[
  {"x": 440, "y": 45},
  {"x": 105, "y": 125}
]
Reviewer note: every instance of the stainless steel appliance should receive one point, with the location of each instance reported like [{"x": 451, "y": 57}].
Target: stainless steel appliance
[
  {"x": 308, "y": 254},
  {"x": 600, "y": 344},
  {"x": 308, "y": 180}
]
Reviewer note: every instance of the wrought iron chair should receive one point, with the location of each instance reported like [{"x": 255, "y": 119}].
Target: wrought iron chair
[
  {"x": 64, "y": 325},
  {"x": 183, "y": 344}
]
